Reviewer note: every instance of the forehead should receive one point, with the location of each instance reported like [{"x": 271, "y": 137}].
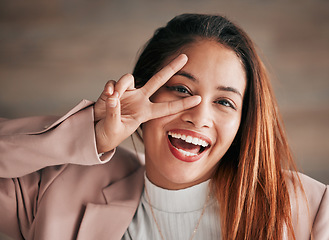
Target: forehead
[
  {"x": 210, "y": 51},
  {"x": 212, "y": 63}
]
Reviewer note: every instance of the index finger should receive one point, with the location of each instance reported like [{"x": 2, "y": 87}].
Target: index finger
[{"x": 164, "y": 75}]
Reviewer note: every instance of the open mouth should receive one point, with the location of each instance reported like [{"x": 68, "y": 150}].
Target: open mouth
[{"x": 187, "y": 145}]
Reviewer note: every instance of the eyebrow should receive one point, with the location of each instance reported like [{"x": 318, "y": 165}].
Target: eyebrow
[
  {"x": 220, "y": 88},
  {"x": 187, "y": 75},
  {"x": 229, "y": 89}
]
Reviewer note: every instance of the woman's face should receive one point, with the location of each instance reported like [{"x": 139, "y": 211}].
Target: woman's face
[{"x": 183, "y": 149}]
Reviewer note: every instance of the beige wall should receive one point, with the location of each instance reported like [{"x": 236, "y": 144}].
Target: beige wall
[{"x": 54, "y": 54}]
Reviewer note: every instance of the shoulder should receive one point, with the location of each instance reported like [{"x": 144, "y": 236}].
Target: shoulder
[
  {"x": 309, "y": 201},
  {"x": 40, "y": 124},
  {"x": 313, "y": 189},
  {"x": 301, "y": 186},
  {"x": 317, "y": 195}
]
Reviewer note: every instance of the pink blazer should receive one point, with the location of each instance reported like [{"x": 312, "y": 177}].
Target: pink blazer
[{"x": 54, "y": 185}]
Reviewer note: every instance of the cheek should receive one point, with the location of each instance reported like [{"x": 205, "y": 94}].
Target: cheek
[
  {"x": 234, "y": 124},
  {"x": 155, "y": 134},
  {"x": 153, "y": 131},
  {"x": 148, "y": 133},
  {"x": 149, "y": 139},
  {"x": 228, "y": 128}
]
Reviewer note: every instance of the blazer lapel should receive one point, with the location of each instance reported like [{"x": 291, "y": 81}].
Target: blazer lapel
[{"x": 110, "y": 221}]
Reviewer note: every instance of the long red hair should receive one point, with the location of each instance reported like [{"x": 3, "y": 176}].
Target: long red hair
[{"x": 250, "y": 181}]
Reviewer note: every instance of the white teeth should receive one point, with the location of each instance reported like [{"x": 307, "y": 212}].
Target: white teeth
[
  {"x": 189, "y": 154},
  {"x": 189, "y": 139},
  {"x": 203, "y": 143},
  {"x": 195, "y": 141}
]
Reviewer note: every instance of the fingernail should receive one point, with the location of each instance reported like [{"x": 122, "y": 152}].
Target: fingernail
[
  {"x": 112, "y": 102},
  {"x": 196, "y": 99},
  {"x": 183, "y": 56},
  {"x": 110, "y": 90}
]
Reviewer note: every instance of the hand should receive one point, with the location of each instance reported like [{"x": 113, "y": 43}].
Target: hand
[{"x": 122, "y": 108}]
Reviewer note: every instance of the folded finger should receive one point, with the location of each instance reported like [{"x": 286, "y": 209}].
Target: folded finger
[
  {"x": 99, "y": 108},
  {"x": 164, "y": 75},
  {"x": 126, "y": 82},
  {"x": 108, "y": 90}
]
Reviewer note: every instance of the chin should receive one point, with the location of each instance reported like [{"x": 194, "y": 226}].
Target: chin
[{"x": 178, "y": 177}]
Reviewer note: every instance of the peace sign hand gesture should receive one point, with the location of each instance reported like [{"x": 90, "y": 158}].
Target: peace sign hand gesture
[{"x": 122, "y": 108}]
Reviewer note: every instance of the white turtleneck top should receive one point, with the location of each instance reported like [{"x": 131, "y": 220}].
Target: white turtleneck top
[{"x": 177, "y": 213}]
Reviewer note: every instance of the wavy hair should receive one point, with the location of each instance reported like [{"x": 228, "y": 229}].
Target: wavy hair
[{"x": 249, "y": 182}]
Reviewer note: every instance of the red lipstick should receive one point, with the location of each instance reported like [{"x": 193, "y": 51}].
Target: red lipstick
[{"x": 185, "y": 150}]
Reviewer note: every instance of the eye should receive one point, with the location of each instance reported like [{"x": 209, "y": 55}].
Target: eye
[
  {"x": 226, "y": 103},
  {"x": 180, "y": 89}
]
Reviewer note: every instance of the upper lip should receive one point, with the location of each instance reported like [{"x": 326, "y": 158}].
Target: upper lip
[{"x": 196, "y": 137}]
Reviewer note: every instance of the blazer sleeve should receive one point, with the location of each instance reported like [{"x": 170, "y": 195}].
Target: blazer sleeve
[
  {"x": 30, "y": 144},
  {"x": 321, "y": 223}
]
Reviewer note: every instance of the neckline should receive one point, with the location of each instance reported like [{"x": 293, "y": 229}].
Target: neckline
[{"x": 177, "y": 201}]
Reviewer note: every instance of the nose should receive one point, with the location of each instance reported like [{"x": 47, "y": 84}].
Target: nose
[{"x": 200, "y": 116}]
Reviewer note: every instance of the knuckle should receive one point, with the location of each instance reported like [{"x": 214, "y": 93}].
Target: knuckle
[
  {"x": 172, "y": 68},
  {"x": 171, "y": 107},
  {"x": 184, "y": 103},
  {"x": 113, "y": 115},
  {"x": 158, "y": 77}
]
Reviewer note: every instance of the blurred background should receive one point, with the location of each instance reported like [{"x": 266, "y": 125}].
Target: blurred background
[{"x": 55, "y": 53}]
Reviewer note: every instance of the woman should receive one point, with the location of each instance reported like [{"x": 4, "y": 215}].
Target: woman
[{"x": 217, "y": 163}]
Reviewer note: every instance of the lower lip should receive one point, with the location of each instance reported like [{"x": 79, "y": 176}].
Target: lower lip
[{"x": 181, "y": 156}]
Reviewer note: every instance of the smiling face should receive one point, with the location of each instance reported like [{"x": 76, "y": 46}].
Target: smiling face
[{"x": 183, "y": 149}]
